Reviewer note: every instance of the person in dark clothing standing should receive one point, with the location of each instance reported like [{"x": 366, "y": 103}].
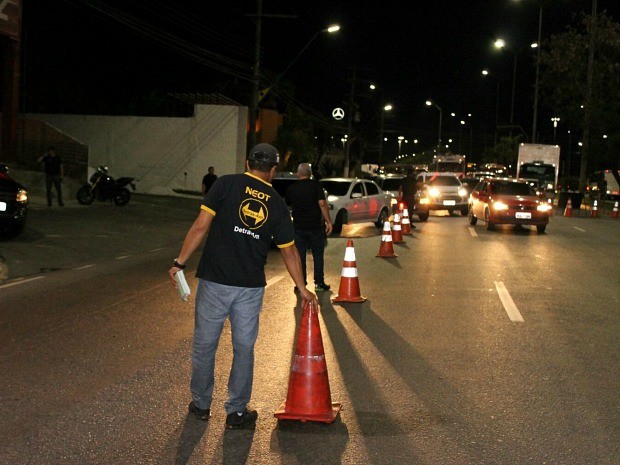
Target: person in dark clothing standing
[
  {"x": 407, "y": 192},
  {"x": 208, "y": 180},
  {"x": 240, "y": 216},
  {"x": 311, "y": 221},
  {"x": 53, "y": 174}
]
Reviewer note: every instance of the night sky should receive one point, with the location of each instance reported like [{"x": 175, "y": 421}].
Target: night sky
[{"x": 77, "y": 59}]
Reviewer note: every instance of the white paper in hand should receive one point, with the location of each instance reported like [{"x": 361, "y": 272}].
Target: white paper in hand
[{"x": 182, "y": 286}]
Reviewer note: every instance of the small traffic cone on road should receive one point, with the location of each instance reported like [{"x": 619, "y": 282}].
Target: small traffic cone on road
[
  {"x": 614, "y": 212},
  {"x": 406, "y": 223},
  {"x": 387, "y": 248},
  {"x": 349, "y": 290},
  {"x": 594, "y": 213},
  {"x": 309, "y": 397},
  {"x": 568, "y": 211},
  {"x": 397, "y": 230}
]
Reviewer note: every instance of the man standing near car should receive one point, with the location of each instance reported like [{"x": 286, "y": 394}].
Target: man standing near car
[
  {"x": 407, "y": 192},
  {"x": 311, "y": 221},
  {"x": 239, "y": 216},
  {"x": 53, "y": 174}
]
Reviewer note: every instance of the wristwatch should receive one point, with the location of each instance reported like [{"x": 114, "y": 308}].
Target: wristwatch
[{"x": 176, "y": 264}]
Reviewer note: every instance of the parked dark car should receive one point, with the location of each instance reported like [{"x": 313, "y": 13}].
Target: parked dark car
[{"x": 13, "y": 204}]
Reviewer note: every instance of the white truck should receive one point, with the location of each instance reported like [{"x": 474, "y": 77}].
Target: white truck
[{"x": 540, "y": 162}]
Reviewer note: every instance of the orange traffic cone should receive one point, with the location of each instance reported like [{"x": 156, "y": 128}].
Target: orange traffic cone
[
  {"x": 349, "y": 290},
  {"x": 594, "y": 213},
  {"x": 406, "y": 223},
  {"x": 387, "y": 248},
  {"x": 614, "y": 212},
  {"x": 309, "y": 397},
  {"x": 568, "y": 211},
  {"x": 397, "y": 230}
]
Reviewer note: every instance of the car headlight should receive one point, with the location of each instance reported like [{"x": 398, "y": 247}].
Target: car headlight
[
  {"x": 549, "y": 186},
  {"x": 424, "y": 201},
  {"x": 433, "y": 192},
  {"x": 543, "y": 207},
  {"x": 22, "y": 196},
  {"x": 500, "y": 206},
  {"x": 462, "y": 192},
  {"x": 332, "y": 198}
]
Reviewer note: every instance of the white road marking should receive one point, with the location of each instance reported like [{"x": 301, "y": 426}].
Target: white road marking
[
  {"x": 274, "y": 280},
  {"x": 84, "y": 267},
  {"x": 155, "y": 250},
  {"x": 579, "y": 229},
  {"x": 21, "y": 281},
  {"x": 508, "y": 303},
  {"x": 473, "y": 232},
  {"x": 123, "y": 257}
]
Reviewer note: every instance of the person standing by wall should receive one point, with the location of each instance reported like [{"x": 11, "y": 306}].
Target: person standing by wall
[
  {"x": 208, "y": 180},
  {"x": 311, "y": 221},
  {"x": 54, "y": 173},
  {"x": 239, "y": 216}
]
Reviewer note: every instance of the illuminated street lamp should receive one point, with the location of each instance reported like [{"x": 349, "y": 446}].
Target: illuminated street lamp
[
  {"x": 384, "y": 109},
  {"x": 555, "y": 120},
  {"x": 429, "y": 103}
]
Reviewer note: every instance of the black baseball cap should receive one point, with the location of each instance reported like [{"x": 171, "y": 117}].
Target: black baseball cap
[{"x": 264, "y": 152}]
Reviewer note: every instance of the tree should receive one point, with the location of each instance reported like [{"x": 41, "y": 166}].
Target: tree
[
  {"x": 580, "y": 80},
  {"x": 295, "y": 139}
]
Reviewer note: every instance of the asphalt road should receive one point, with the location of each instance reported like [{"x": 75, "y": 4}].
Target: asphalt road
[{"x": 474, "y": 347}]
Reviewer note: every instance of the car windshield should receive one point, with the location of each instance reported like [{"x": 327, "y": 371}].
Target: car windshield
[
  {"x": 444, "y": 181},
  {"x": 511, "y": 188},
  {"x": 536, "y": 170},
  {"x": 391, "y": 184},
  {"x": 338, "y": 188}
]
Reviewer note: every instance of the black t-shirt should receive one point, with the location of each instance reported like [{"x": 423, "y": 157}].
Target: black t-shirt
[
  {"x": 247, "y": 213},
  {"x": 208, "y": 180},
  {"x": 303, "y": 196}
]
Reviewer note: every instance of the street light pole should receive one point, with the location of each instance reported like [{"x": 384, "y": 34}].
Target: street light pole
[
  {"x": 255, "y": 77},
  {"x": 538, "y": 47},
  {"x": 384, "y": 108},
  {"x": 429, "y": 103}
]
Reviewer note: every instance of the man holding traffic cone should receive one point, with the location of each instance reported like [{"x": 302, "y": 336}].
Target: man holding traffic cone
[
  {"x": 349, "y": 290},
  {"x": 387, "y": 248}
]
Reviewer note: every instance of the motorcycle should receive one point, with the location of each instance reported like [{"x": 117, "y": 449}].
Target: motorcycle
[{"x": 104, "y": 187}]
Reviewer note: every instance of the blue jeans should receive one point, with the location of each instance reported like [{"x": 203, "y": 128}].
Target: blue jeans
[
  {"x": 316, "y": 240},
  {"x": 215, "y": 303}
]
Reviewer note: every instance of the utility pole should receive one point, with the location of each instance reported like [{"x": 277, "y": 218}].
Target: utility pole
[
  {"x": 255, "y": 77},
  {"x": 583, "y": 171},
  {"x": 351, "y": 116}
]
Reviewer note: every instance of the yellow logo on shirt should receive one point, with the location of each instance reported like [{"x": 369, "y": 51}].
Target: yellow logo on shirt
[{"x": 253, "y": 213}]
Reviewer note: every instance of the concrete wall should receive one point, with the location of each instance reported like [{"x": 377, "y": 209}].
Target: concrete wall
[{"x": 166, "y": 155}]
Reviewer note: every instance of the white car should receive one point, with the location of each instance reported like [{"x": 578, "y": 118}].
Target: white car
[
  {"x": 445, "y": 192},
  {"x": 353, "y": 200}
]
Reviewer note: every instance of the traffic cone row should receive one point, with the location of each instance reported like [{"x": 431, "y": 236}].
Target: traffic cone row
[
  {"x": 349, "y": 290},
  {"x": 386, "y": 249},
  {"x": 397, "y": 230},
  {"x": 406, "y": 222},
  {"x": 568, "y": 211}
]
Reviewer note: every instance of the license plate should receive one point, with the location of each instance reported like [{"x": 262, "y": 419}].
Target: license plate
[
  {"x": 2, "y": 206},
  {"x": 523, "y": 215},
  {"x": 449, "y": 202}
]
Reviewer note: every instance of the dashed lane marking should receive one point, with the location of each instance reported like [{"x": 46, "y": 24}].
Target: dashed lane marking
[
  {"x": 508, "y": 303},
  {"x": 123, "y": 257},
  {"x": 579, "y": 229},
  {"x": 473, "y": 232},
  {"x": 21, "y": 281},
  {"x": 84, "y": 267}
]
